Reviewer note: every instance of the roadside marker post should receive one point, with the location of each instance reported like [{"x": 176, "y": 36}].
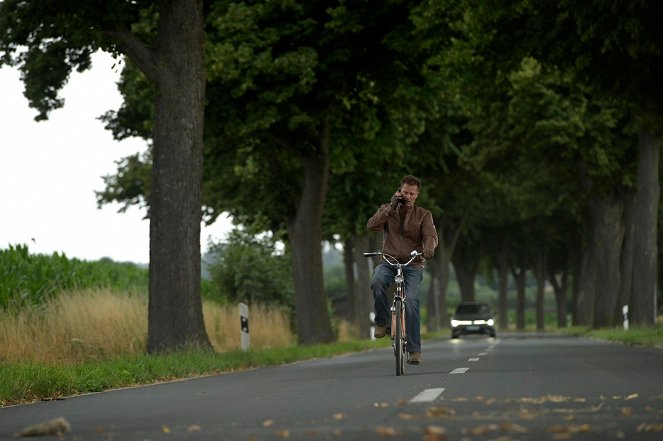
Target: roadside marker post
[
  {"x": 371, "y": 317},
  {"x": 244, "y": 326}
]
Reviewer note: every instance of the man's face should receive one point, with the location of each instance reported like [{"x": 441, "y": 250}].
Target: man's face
[{"x": 409, "y": 193}]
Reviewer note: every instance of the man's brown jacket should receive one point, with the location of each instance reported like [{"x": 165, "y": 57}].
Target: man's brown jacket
[{"x": 405, "y": 229}]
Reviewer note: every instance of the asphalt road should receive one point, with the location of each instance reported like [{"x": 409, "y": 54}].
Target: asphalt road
[{"x": 515, "y": 387}]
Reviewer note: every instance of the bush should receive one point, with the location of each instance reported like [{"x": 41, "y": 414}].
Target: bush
[{"x": 250, "y": 269}]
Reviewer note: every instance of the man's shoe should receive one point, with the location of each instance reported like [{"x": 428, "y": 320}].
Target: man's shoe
[
  {"x": 380, "y": 331},
  {"x": 415, "y": 357}
]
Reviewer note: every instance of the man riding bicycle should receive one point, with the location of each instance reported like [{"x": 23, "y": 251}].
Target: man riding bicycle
[{"x": 406, "y": 227}]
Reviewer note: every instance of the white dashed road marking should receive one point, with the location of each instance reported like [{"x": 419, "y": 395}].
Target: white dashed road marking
[
  {"x": 427, "y": 395},
  {"x": 459, "y": 370},
  {"x": 473, "y": 359}
]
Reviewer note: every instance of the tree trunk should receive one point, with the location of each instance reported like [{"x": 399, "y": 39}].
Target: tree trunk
[
  {"x": 577, "y": 261},
  {"x": 442, "y": 274},
  {"x": 584, "y": 301},
  {"x": 608, "y": 239},
  {"x": 364, "y": 297},
  {"x": 559, "y": 288},
  {"x": 503, "y": 277},
  {"x": 520, "y": 276},
  {"x": 541, "y": 271},
  {"x": 626, "y": 270},
  {"x": 466, "y": 271},
  {"x": 433, "y": 296},
  {"x": 642, "y": 306},
  {"x": 175, "y": 316},
  {"x": 305, "y": 233},
  {"x": 350, "y": 279},
  {"x": 449, "y": 237}
]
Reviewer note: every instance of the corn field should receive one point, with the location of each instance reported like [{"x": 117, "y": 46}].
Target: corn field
[
  {"x": 59, "y": 310},
  {"x": 32, "y": 279}
]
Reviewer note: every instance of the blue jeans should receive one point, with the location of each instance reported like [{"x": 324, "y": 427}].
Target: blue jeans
[{"x": 383, "y": 278}]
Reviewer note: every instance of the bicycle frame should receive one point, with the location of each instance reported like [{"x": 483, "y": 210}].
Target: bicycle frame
[
  {"x": 400, "y": 294},
  {"x": 398, "y": 334}
]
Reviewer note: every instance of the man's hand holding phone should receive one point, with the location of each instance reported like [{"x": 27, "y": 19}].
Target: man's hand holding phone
[{"x": 397, "y": 199}]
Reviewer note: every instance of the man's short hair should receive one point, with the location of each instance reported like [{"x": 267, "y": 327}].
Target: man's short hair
[{"x": 411, "y": 180}]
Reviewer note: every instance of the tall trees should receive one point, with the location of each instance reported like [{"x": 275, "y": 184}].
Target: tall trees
[
  {"x": 165, "y": 40},
  {"x": 296, "y": 90},
  {"x": 577, "y": 115},
  {"x": 616, "y": 47},
  {"x": 315, "y": 108},
  {"x": 292, "y": 78}
]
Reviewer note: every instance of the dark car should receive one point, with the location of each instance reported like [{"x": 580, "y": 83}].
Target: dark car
[{"x": 472, "y": 318}]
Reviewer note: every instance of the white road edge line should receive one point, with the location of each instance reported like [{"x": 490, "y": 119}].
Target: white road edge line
[
  {"x": 427, "y": 395},
  {"x": 460, "y": 370}
]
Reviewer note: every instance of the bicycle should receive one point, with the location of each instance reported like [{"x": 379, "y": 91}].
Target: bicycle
[{"x": 398, "y": 334}]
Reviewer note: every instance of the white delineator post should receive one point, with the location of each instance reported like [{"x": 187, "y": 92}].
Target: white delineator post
[
  {"x": 371, "y": 317},
  {"x": 244, "y": 323}
]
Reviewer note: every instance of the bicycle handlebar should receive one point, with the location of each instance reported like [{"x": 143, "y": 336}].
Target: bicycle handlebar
[{"x": 388, "y": 258}]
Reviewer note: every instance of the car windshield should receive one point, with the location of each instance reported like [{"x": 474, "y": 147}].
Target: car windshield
[{"x": 472, "y": 309}]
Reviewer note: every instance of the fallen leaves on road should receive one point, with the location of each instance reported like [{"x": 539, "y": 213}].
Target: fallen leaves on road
[
  {"x": 504, "y": 427},
  {"x": 650, "y": 427},
  {"x": 440, "y": 412},
  {"x": 407, "y": 416},
  {"x": 552, "y": 399},
  {"x": 283, "y": 434},
  {"x": 386, "y": 432},
  {"x": 54, "y": 427},
  {"x": 564, "y": 431},
  {"x": 435, "y": 433}
]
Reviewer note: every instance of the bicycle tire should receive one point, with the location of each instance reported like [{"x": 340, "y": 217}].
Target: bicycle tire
[{"x": 399, "y": 350}]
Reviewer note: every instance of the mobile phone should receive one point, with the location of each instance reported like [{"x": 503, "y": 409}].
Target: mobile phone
[{"x": 401, "y": 200}]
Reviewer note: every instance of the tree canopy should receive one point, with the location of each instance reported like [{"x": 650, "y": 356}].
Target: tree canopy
[{"x": 535, "y": 127}]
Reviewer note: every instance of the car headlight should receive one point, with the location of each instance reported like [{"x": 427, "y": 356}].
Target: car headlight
[{"x": 490, "y": 322}]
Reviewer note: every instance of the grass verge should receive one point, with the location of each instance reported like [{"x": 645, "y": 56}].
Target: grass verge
[
  {"x": 24, "y": 382},
  {"x": 33, "y": 381},
  {"x": 652, "y": 337}
]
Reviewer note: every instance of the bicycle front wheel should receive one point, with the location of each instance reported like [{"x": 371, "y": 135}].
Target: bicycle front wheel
[{"x": 399, "y": 347}]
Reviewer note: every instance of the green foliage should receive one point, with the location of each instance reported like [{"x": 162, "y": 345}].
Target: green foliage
[
  {"x": 335, "y": 284},
  {"x": 33, "y": 278},
  {"x": 250, "y": 269},
  {"x": 47, "y": 40},
  {"x": 132, "y": 183}
]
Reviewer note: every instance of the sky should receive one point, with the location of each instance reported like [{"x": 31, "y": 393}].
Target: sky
[{"x": 50, "y": 170}]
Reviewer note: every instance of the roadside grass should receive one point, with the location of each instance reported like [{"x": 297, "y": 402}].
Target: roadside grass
[
  {"x": 94, "y": 340},
  {"x": 634, "y": 336},
  {"x": 101, "y": 324},
  {"x": 24, "y": 382}
]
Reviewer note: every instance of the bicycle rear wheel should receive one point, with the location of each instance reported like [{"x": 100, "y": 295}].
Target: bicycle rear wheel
[{"x": 399, "y": 348}]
